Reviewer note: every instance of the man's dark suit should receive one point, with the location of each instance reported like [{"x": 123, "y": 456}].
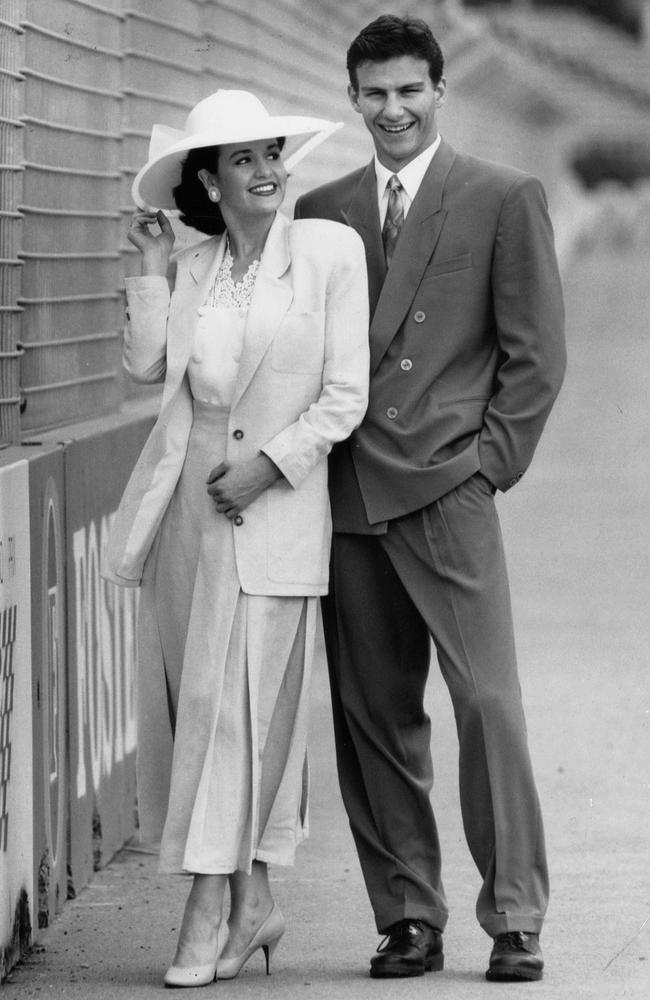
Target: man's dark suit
[{"x": 467, "y": 357}]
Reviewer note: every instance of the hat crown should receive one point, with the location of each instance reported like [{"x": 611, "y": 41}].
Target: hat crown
[{"x": 227, "y": 111}]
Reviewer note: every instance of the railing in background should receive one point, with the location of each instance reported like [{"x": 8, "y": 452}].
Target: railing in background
[{"x": 72, "y": 309}]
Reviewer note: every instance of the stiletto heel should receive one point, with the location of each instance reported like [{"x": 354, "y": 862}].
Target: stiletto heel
[
  {"x": 268, "y": 950},
  {"x": 266, "y": 937}
]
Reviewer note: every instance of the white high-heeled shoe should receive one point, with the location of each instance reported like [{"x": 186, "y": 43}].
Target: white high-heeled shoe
[
  {"x": 194, "y": 975},
  {"x": 266, "y": 937},
  {"x": 197, "y": 975}
]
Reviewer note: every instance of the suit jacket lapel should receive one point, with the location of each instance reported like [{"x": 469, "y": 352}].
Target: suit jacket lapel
[
  {"x": 415, "y": 247},
  {"x": 362, "y": 214},
  {"x": 270, "y": 302}
]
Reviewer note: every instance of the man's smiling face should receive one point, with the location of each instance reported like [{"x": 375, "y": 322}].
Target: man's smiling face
[{"x": 398, "y": 101}]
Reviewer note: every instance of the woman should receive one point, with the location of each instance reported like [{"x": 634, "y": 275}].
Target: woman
[{"x": 262, "y": 348}]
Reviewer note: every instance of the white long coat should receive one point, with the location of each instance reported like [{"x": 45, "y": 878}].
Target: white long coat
[{"x": 302, "y": 385}]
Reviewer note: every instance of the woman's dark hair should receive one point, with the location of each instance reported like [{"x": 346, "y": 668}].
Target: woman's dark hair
[
  {"x": 191, "y": 197},
  {"x": 388, "y": 37}
]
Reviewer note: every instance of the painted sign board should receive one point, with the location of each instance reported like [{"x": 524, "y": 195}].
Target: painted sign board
[
  {"x": 49, "y": 694},
  {"x": 101, "y": 621},
  {"x": 16, "y": 773}
]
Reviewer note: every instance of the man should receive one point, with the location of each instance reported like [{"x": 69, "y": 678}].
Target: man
[{"x": 467, "y": 357}]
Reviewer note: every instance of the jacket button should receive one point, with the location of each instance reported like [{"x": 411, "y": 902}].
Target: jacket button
[
  {"x": 392, "y": 412},
  {"x": 238, "y": 434},
  {"x": 406, "y": 364},
  {"x": 238, "y": 520},
  {"x": 419, "y": 316}
]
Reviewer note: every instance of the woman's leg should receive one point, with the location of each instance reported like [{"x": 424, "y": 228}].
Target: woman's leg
[
  {"x": 250, "y": 904},
  {"x": 197, "y": 941}
]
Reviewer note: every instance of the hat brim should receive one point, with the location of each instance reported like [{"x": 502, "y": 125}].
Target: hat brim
[{"x": 154, "y": 184}]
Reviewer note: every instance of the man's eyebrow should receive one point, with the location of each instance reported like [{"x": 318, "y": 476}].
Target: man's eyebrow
[{"x": 401, "y": 86}]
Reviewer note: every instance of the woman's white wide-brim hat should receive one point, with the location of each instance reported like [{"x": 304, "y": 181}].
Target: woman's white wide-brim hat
[{"x": 224, "y": 117}]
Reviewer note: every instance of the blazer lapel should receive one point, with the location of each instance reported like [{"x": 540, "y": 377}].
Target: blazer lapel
[
  {"x": 414, "y": 250},
  {"x": 362, "y": 214},
  {"x": 203, "y": 265},
  {"x": 270, "y": 302}
]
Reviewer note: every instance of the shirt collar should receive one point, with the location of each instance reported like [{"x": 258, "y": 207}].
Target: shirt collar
[{"x": 410, "y": 176}]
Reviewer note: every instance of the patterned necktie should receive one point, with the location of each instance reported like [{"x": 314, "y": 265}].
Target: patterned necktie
[{"x": 394, "y": 217}]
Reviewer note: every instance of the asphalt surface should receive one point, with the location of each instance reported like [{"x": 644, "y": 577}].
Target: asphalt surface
[{"x": 576, "y": 531}]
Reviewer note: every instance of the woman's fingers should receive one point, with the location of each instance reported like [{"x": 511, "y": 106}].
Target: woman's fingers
[
  {"x": 217, "y": 473},
  {"x": 164, "y": 223},
  {"x": 141, "y": 218}
]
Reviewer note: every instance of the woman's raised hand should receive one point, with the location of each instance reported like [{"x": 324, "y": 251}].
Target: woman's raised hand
[{"x": 155, "y": 247}]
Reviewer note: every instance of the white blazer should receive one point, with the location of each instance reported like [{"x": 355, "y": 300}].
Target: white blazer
[{"x": 302, "y": 385}]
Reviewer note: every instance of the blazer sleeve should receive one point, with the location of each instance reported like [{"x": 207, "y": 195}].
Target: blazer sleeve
[
  {"x": 144, "y": 352},
  {"x": 529, "y": 318},
  {"x": 343, "y": 399}
]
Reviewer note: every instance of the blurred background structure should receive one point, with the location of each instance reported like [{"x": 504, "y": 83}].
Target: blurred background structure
[
  {"x": 549, "y": 87},
  {"x": 560, "y": 89}
]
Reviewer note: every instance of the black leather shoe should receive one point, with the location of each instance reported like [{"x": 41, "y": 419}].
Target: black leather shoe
[
  {"x": 410, "y": 948},
  {"x": 515, "y": 956}
]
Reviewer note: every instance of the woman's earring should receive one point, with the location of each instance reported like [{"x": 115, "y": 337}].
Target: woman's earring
[{"x": 214, "y": 194}]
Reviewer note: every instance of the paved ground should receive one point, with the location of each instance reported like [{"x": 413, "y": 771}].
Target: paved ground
[{"x": 576, "y": 530}]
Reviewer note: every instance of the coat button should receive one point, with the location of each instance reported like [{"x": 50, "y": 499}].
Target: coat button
[
  {"x": 392, "y": 412},
  {"x": 238, "y": 520},
  {"x": 419, "y": 316},
  {"x": 406, "y": 364},
  {"x": 238, "y": 434}
]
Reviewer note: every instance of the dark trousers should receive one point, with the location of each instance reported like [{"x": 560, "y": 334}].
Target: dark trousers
[{"x": 438, "y": 573}]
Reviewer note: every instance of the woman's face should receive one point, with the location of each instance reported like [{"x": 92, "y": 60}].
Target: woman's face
[{"x": 251, "y": 177}]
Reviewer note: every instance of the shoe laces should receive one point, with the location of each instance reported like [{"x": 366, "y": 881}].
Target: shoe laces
[
  {"x": 402, "y": 929},
  {"x": 512, "y": 939}
]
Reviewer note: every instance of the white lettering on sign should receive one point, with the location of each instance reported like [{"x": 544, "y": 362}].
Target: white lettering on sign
[{"x": 106, "y": 660}]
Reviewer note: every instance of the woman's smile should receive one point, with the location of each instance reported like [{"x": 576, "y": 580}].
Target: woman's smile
[{"x": 268, "y": 187}]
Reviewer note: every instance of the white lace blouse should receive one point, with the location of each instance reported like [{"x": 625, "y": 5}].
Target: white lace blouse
[{"x": 219, "y": 337}]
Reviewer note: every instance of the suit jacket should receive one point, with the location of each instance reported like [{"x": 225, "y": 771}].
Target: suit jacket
[
  {"x": 302, "y": 385},
  {"x": 466, "y": 336}
]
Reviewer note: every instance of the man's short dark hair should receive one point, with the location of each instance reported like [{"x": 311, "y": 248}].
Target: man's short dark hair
[{"x": 388, "y": 37}]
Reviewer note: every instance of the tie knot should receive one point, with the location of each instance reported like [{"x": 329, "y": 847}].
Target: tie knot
[{"x": 394, "y": 183}]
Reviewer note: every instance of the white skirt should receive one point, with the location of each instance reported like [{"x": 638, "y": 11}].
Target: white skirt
[{"x": 236, "y": 669}]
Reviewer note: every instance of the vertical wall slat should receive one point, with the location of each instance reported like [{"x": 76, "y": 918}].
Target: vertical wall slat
[{"x": 11, "y": 186}]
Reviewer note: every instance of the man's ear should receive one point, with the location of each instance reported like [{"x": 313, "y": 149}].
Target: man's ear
[
  {"x": 354, "y": 98},
  {"x": 440, "y": 91}
]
